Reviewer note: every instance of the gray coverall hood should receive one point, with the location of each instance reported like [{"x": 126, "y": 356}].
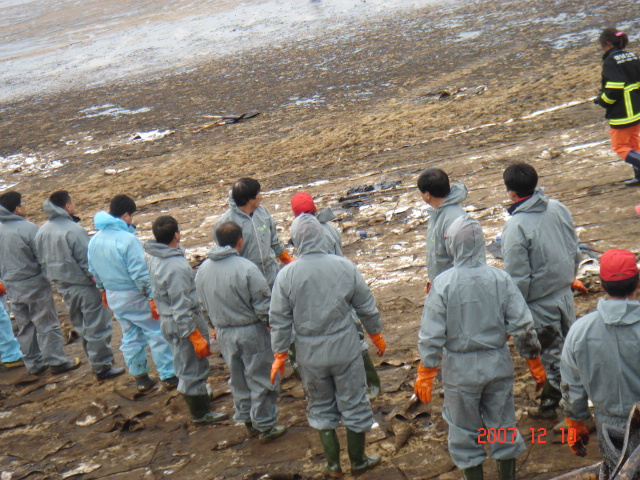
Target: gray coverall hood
[
  {"x": 457, "y": 194},
  {"x": 325, "y": 215},
  {"x": 162, "y": 250},
  {"x": 53, "y": 211},
  {"x": 619, "y": 312},
  {"x": 7, "y": 216},
  {"x": 218, "y": 253},
  {"x": 538, "y": 202},
  {"x": 307, "y": 235},
  {"x": 465, "y": 243}
]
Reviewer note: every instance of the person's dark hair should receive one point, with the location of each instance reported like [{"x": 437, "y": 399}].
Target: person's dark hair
[
  {"x": 435, "y": 182},
  {"x": 11, "y": 200},
  {"x": 164, "y": 229},
  {"x": 60, "y": 198},
  {"x": 228, "y": 234},
  {"x": 121, "y": 204},
  {"x": 244, "y": 190},
  {"x": 621, "y": 288},
  {"x": 521, "y": 178},
  {"x": 615, "y": 37}
]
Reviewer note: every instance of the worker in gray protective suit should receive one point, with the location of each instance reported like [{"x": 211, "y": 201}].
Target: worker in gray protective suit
[
  {"x": 261, "y": 243},
  {"x": 181, "y": 321},
  {"x": 317, "y": 296},
  {"x": 29, "y": 291},
  {"x": 236, "y": 298},
  {"x": 434, "y": 188},
  {"x": 302, "y": 202},
  {"x": 469, "y": 312},
  {"x": 600, "y": 355},
  {"x": 62, "y": 246},
  {"x": 540, "y": 250}
]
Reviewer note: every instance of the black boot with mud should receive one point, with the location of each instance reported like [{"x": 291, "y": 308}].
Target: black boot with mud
[
  {"x": 110, "y": 372},
  {"x": 144, "y": 382},
  {"x": 272, "y": 433},
  {"x": 633, "y": 158},
  {"x": 473, "y": 473},
  {"x": 331, "y": 447},
  {"x": 199, "y": 408},
  {"x": 507, "y": 469},
  {"x": 65, "y": 367},
  {"x": 549, "y": 402},
  {"x": 170, "y": 383},
  {"x": 355, "y": 447}
]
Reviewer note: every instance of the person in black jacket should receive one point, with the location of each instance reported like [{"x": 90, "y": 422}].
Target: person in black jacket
[{"x": 620, "y": 95}]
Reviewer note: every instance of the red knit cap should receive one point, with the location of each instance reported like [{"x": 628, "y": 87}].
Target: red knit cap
[
  {"x": 617, "y": 265},
  {"x": 302, "y": 202}
]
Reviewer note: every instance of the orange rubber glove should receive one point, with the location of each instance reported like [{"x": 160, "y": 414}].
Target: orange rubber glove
[
  {"x": 3, "y": 291},
  {"x": 579, "y": 445},
  {"x": 200, "y": 344},
  {"x": 154, "y": 310},
  {"x": 428, "y": 287},
  {"x": 379, "y": 342},
  {"x": 424, "y": 382},
  {"x": 214, "y": 335},
  {"x": 105, "y": 304},
  {"x": 285, "y": 257},
  {"x": 578, "y": 286},
  {"x": 537, "y": 371},
  {"x": 278, "y": 364}
]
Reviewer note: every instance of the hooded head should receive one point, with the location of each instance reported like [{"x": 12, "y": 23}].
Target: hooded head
[
  {"x": 302, "y": 202},
  {"x": 307, "y": 234},
  {"x": 465, "y": 242}
]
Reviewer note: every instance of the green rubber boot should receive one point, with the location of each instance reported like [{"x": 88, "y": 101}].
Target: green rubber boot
[
  {"x": 507, "y": 469},
  {"x": 373, "y": 380},
  {"x": 355, "y": 447},
  {"x": 549, "y": 402},
  {"x": 292, "y": 359},
  {"x": 331, "y": 447},
  {"x": 473, "y": 473},
  {"x": 199, "y": 408},
  {"x": 251, "y": 430}
]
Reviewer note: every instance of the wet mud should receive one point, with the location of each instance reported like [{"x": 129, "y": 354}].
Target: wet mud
[{"x": 467, "y": 87}]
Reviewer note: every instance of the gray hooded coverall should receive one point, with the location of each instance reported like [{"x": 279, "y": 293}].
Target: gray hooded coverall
[
  {"x": 30, "y": 293},
  {"x": 438, "y": 260},
  {"x": 469, "y": 312},
  {"x": 62, "y": 246},
  {"x": 236, "y": 296},
  {"x": 332, "y": 237},
  {"x": 601, "y": 362},
  {"x": 540, "y": 250},
  {"x": 174, "y": 292},
  {"x": 316, "y": 295},
  {"x": 261, "y": 243}
]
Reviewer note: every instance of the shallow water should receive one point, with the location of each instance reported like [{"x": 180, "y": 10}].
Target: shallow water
[{"x": 50, "y": 45}]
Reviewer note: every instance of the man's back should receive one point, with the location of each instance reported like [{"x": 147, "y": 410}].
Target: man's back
[
  {"x": 540, "y": 247},
  {"x": 232, "y": 289},
  {"x": 62, "y": 248},
  {"x": 18, "y": 255},
  {"x": 601, "y": 353}
]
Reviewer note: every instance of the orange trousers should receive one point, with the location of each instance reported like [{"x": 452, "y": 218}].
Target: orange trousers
[{"x": 624, "y": 140}]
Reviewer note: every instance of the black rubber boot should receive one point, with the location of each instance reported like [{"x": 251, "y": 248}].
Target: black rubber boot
[
  {"x": 633, "y": 158},
  {"x": 199, "y": 408},
  {"x": 473, "y": 473},
  {"x": 144, "y": 382},
  {"x": 331, "y": 447},
  {"x": 373, "y": 380},
  {"x": 507, "y": 469},
  {"x": 549, "y": 402},
  {"x": 355, "y": 447},
  {"x": 251, "y": 430}
]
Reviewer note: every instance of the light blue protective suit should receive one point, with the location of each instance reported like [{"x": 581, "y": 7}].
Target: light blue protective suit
[
  {"x": 62, "y": 246},
  {"x": 236, "y": 296},
  {"x": 601, "y": 362},
  {"x": 540, "y": 250},
  {"x": 440, "y": 220},
  {"x": 30, "y": 293},
  {"x": 469, "y": 312},
  {"x": 117, "y": 263},
  {"x": 317, "y": 295},
  {"x": 9, "y": 346},
  {"x": 261, "y": 243},
  {"x": 174, "y": 292}
]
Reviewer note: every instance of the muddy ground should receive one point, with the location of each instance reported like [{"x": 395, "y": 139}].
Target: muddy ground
[{"x": 467, "y": 87}]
